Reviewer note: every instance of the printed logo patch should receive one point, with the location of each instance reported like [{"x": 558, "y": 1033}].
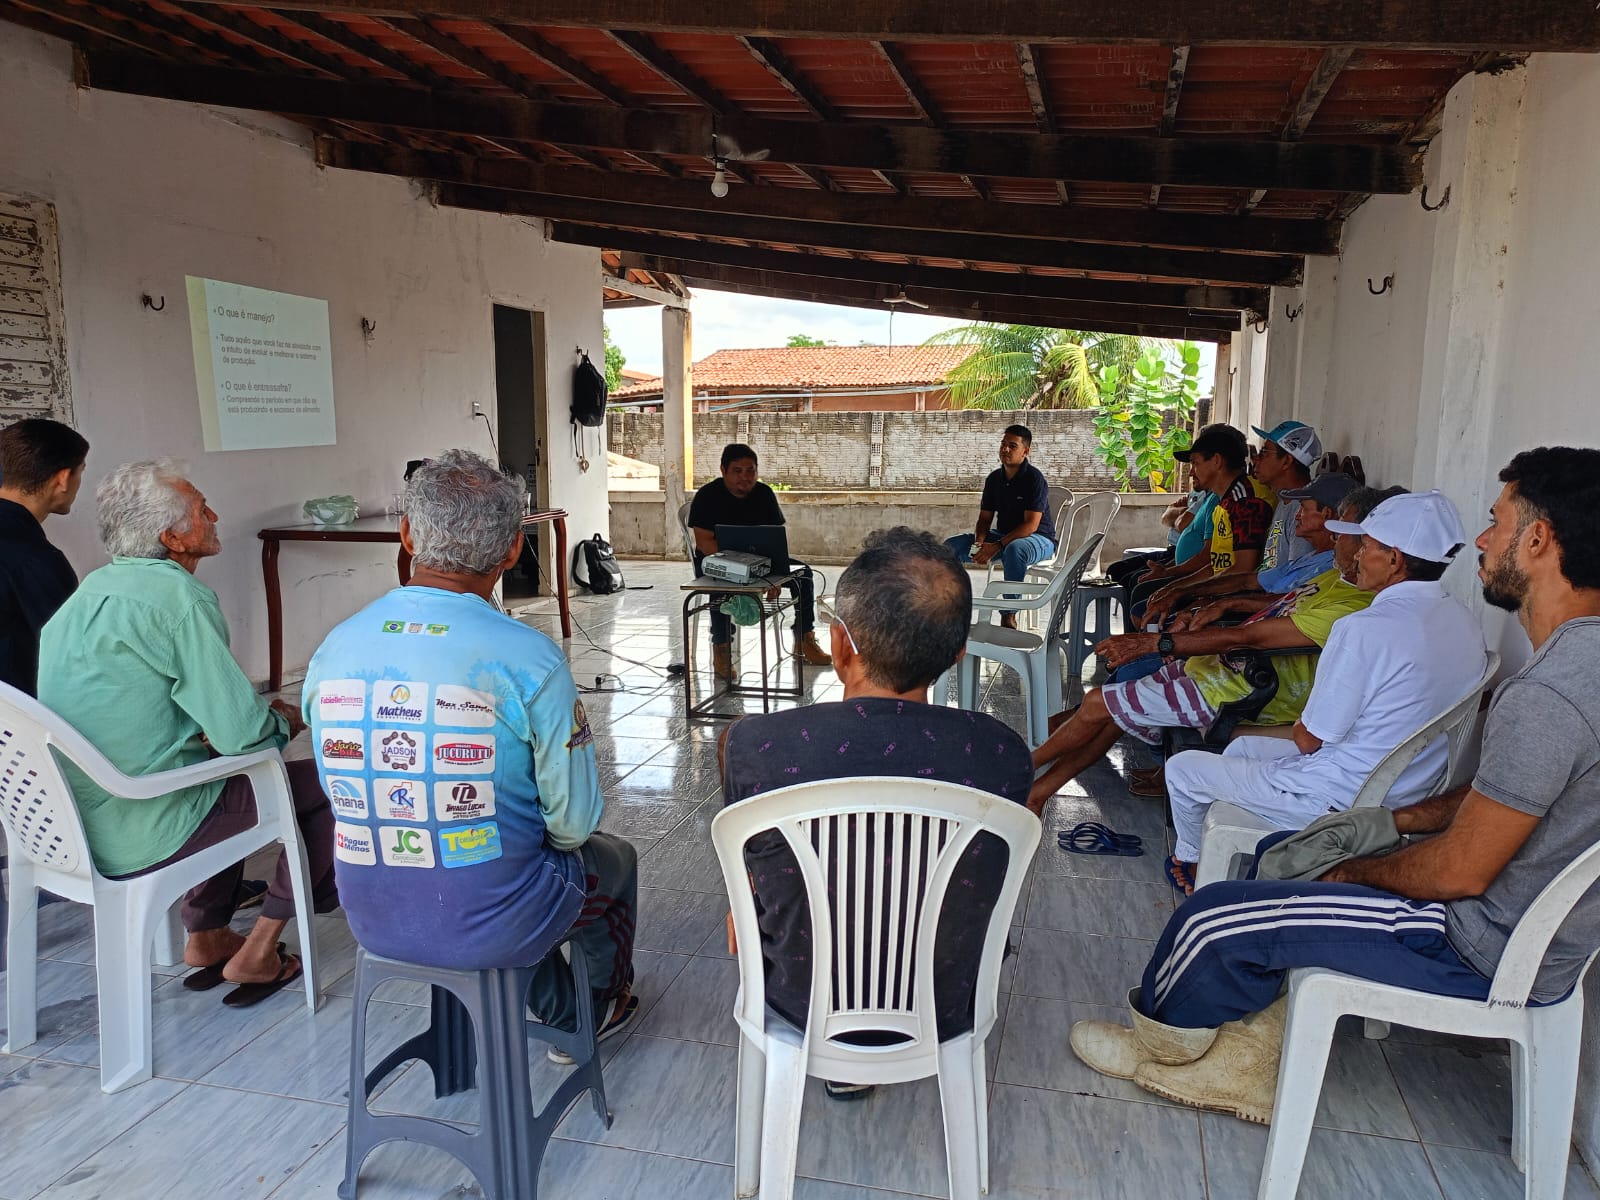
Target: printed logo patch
[
  {"x": 399, "y": 802},
  {"x": 403, "y": 847},
  {"x": 342, "y": 700},
  {"x": 464, "y": 800},
  {"x": 438, "y": 630},
  {"x": 348, "y": 796},
  {"x": 467, "y": 845},
  {"x": 399, "y": 700},
  {"x": 343, "y": 748},
  {"x": 413, "y": 626},
  {"x": 353, "y": 844},
  {"x": 457, "y": 705},
  {"x": 464, "y": 754},
  {"x": 397, "y": 749},
  {"x": 581, "y": 736},
  {"x": 394, "y": 626}
]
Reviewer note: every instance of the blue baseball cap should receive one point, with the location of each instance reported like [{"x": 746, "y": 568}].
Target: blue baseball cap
[{"x": 1295, "y": 438}]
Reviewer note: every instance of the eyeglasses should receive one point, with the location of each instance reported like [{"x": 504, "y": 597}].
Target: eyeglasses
[{"x": 825, "y": 604}]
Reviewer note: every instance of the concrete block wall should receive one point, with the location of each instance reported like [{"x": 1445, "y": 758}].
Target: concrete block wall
[{"x": 914, "y": 451}]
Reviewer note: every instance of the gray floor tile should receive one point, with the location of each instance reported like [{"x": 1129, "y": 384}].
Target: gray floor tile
[
  {"x": 1338, "y": 1166},
  {"x": 1035, "y": 1051},
  {"x": 682, "y": 781},
  {"x": 1456, "y": 1097},
  {"x": 1054, "y": 1146},
  {"x": 53, "y": 1116},
  {"x": 1359, "y": 1093},
  {"x": 646, "y": 815},
  {"x": 698, "y": 1007},
  {"x": 1079, "y": 966},
  {"x": 309, "y": 1058},
  {"x": 905, "y": 1153},
  {"x": 653, "y": 974},
  {"x": 66, "y": 1005},
  {"x": 1102, "y": 906},
  {"x": 668, "y": 1097},
  {"x": 628, "y": 751},
  {"x": 683, "y": 861},
  {"x": 677, "y": 922},
  {"x": 393, "y": 1171},
  {"x": 581, "y": 1171},
  {"x": 1480, "y": 1175},
  {"x": 157, "y": 1158}
]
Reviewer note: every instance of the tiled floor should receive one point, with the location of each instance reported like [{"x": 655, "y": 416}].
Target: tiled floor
[{"x": 250, "y": 1104}]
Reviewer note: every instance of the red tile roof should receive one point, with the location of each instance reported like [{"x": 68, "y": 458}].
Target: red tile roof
[{"x": 816, "y": 367}]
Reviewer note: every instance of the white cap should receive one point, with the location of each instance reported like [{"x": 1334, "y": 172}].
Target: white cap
[{"x": 1422, "y": 524}]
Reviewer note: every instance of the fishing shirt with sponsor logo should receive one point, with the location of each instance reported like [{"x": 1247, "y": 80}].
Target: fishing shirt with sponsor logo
[{"x": 461, "y": 768}]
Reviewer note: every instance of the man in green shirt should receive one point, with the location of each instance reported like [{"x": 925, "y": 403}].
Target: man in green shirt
[{"x": 138, "y": 661}]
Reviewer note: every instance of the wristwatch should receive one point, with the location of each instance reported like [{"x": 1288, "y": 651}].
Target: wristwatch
[{"x": 1164, "y": 645}]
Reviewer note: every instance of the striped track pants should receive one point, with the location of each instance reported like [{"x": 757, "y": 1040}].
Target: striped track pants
[{"x": 1225, "y": 951}]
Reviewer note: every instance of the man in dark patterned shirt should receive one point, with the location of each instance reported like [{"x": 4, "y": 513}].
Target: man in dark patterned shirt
[{"x": 902, "y": 613}]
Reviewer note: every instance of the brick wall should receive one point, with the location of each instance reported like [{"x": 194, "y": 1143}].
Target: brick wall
[{"x": 893, "y": 451}]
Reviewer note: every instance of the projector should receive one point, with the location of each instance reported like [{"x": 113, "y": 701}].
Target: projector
[{"x": 735, "y": 566}]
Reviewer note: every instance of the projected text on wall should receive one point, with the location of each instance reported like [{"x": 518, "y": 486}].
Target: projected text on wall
[{"x": 262, "y": 365}]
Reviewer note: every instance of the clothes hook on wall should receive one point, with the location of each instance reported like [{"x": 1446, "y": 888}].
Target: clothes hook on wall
[
  {"x": 149, "y": 302},
  {"x": 1388, "y": 284},
  {"x": 1261, "y": 325},
  {"x": 368, "y": 328},
  {"x": 1443, "y": 200},
  {"x": 1294, "y": 313}
]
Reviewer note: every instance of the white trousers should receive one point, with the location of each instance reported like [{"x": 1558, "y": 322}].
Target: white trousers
[{"x": 1243, "y": 774}]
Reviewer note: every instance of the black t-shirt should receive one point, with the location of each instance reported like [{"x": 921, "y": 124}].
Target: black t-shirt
[
  {"x": 35, "y": 579},
  {"x": 1009, "y": 499},
  {"x": 715, "y": 505},
  {"x": 874, "y": 737}
]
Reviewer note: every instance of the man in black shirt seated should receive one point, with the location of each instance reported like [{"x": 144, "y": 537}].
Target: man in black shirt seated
[
  {"x": 739, "y": 498},
  {"x": 901, "y": 621},
  {"x": 41, "y": 466},
  {"x": 1014, "y": 518}
]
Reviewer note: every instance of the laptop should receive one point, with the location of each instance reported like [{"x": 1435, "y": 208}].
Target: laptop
[{"x": 769, "y": 541}]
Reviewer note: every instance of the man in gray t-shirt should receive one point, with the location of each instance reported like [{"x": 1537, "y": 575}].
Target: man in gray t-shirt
[{"x": 1435, "y": 915}]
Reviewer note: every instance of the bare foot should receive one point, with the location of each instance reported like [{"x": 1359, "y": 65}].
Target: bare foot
[
  {"x": 207, "y": 947},
  {"x": 254, "y": 968}
]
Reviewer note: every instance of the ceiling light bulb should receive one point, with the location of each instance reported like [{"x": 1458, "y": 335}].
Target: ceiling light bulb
[{"x": 719, "y": 181}]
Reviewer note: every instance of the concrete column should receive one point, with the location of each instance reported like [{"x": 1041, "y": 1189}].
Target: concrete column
[
  {"x": 677, "y": 386},
  {"x": 1281, "y": 387},
  {"x": 1222, "y": 382}
]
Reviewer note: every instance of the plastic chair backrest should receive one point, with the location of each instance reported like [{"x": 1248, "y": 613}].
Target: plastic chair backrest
[
  {"x": 1088, "y": 516},
  {"x": 1456, "y": 722},
  {"x": 1067, "y": 577},
  {"x": 1524, "y": 952},
  {"x": 872, "y": 939},
  {"x": 683, "y": 524},
  {"x": 36, "y": 805}
]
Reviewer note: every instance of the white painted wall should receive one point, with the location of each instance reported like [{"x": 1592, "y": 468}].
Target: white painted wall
[
  {"x": 1484, "y": 346},
  {"x": 149, "y": 191}
]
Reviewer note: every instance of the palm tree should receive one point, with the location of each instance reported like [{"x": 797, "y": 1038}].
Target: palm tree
[{"x": 1026, "y": 366}]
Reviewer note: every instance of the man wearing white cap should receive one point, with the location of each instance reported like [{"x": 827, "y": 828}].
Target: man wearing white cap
[
  {"x": 1435, "y": 915},
  {"x": 1384, "y": 671}
]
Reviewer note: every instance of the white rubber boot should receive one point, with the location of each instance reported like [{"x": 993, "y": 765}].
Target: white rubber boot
[
  {"x": 1118, "y": 1051},
  {"x": 1238, "y": 1075}
]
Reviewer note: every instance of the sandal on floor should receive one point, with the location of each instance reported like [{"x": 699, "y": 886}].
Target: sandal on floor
[
  {"x": 1091, "y": 837},
  {"x": 623, "y": 1012},
  {"x": 848, "y": 1091},
  {"x": 1148, "y": 787},
  {"x": 203, "y": 979},
  {"x": 249, "y": 894},
  {"x": 1180, "y": 875},
  {"x": 247, "y": 995}
]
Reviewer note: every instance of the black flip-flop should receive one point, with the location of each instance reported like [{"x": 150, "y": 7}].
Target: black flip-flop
[
  {"x": 249, "y": 893},
  {"x": 248, "y": 994},
  {"x": 1091, "y": 837},
  {"x": 203, "y": 979}
]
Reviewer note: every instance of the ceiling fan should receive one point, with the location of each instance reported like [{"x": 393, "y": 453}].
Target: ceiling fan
[
  {"x": 724, "y": 148},
  {"x": 900, "y": 298}
]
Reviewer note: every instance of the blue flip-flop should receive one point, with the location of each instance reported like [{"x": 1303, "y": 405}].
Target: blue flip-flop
[
  {"x": 1180, "y": 874},
  {"x": 1091, "y": 837}
]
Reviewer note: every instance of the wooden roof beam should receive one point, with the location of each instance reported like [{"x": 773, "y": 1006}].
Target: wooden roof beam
[
  {"x": 1247, "y": 269},
  {"x": 1509, "y": 25},
  {"x": 572, "y": 67},
  {"x": 1195, "y": 162},
  {"x": 1327, "y": 70},
  {"x": 1176, "y": 69},
  {"x": 653, "y": 252},
  {"x": 1132, "y": 227}
]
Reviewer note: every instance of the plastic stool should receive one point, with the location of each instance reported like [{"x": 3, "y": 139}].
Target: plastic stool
[
  {"x": 505, "y": 1152},
  {"x": 1080, "y": 639}
]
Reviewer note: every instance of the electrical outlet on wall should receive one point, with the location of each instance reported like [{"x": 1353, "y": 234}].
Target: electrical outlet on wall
[{"x": 478, "y": 410}]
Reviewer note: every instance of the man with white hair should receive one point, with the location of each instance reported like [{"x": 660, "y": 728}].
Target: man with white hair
[
  {"x": 138, "y": 661},
  {"x": 462, "y": 766}
]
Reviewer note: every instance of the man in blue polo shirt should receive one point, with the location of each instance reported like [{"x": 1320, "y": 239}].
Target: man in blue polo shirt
[
  {"x": 1014, "y": 518},
  {"x": 461, "y": 767}
]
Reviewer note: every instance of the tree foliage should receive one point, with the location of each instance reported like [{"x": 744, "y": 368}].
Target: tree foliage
[
  {"x": 614, "y": 360},
  {"x": 804, "y": 341},
  {"x": 1145, "y": 414}
]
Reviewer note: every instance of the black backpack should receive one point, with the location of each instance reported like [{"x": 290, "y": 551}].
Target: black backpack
[
  {"x": 594, "y": 566},
  {"x": 588, "y": 394}
]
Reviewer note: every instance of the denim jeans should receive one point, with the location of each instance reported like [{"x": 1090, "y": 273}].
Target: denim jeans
[{"x": 1015, "y": 558}]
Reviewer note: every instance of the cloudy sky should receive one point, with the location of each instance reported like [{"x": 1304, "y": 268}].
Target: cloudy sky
[{"x": 724, "y": 320}]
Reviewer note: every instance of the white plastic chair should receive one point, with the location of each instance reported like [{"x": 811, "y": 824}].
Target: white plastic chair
[
  {"x": 1231, "y": 831},
  {"x": 872, "y": 943},
  {"x": 1544, "y": 1043},
  {"x": 683, "y": 524},
  {"x": 49, "y": 850},
  {"x": 1035, "y": 657},
  {"x": 1088, "y": 516},
  {"x": 1060, "y": 502}
]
